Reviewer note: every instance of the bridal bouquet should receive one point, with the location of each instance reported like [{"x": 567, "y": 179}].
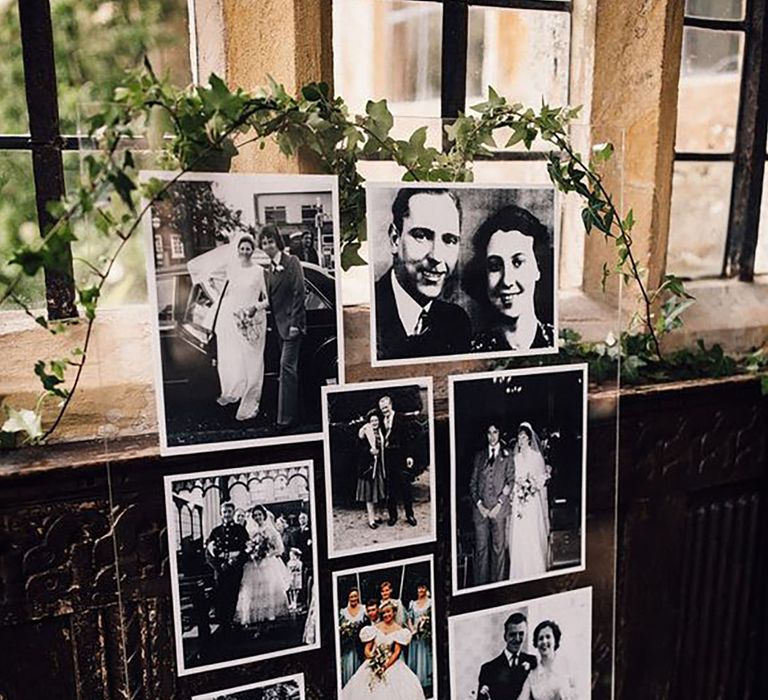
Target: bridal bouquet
[
  {"x": 249, "y": 326},
  {"x": 258, "y": 548},
  {"x": 527, "y": 487},
  {"x": 348, "y": 629},
  {"x": 378, "y": 664}
]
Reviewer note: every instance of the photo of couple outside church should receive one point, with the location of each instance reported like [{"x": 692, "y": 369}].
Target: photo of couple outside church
[{"x": 461, "y": 271}]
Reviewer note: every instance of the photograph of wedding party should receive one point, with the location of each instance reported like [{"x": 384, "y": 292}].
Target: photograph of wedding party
[
  {"x": 243, "y": 564},
  {"x": 461, "y": 270},
  {"x": 539, "y": 649},
  {"x": 244, "y": 283},
  {"x": 518, "y": 474},
  {"x": 379, "y": 465},
  {"x": 286, "y": 688},
  {"x": 385, "y": 632}
]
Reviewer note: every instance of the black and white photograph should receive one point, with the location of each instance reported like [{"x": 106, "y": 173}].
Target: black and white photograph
[
  {"x": 518, "y": 474},
  {"x": 286, "y": 688},
  {"x": 385, "y": 631},
  {"x": 539, "y": 649},
  {"x": 244, "y": 286},
  {"x": 379, "y": 462},
  {"x": 460, "y": 271},
  {"x": 243, "y": 564}
]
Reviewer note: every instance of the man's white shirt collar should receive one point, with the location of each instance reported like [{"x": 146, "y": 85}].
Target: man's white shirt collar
[
  {"x": 493, "y": 450},
  {"x": 509, "y": 656},
  {"x": 408, "y": 309}
]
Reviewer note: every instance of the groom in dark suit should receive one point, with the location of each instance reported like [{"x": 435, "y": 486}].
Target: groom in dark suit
[
  {"x": 398, "y": 479},
  {"x": 424, "y": 240},
  {"x": 504, "y": 676},
  {"x": 285, "y": 287}
]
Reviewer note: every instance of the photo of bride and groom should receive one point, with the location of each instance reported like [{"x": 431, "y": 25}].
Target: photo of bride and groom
[
  {"x": 538, "y": 649},
  {"x": 379, "y": 457},
  {"x": 247, "y": 321},
  {"x": 385, "y": 640},
  {"x": 244, "y": 564},
  {"x": 518, "y": 456}
]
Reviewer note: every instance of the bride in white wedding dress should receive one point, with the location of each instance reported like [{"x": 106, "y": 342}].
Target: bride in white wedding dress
[
  {"x": 528, "y": 524},
  {"x": 394, "y": 680},
  {"x": 550, "y": 679}
]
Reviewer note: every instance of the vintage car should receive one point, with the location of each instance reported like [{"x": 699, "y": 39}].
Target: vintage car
[{"x": 186, "y": 316}]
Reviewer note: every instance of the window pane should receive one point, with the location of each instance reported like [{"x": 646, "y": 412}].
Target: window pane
[
  {"x": 701, "y": 194},
  {"x": 708, "y": 102},
  {"x": 522, "y": 54},
  {"x": 96, "y": 41},
  {"x": 18, "y": 220},
  {"x": 761, "y": 254},
  {"x": 388, "y": 49},
  {"x": 13, "y": 106},
  {"x": 715, "y": 9}
]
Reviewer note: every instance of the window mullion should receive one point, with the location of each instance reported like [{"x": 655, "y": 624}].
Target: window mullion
[
  {"x": 749, "y": 156},
  {"x": 47, "y": 163},
  {"x": 453, "y": 87}
]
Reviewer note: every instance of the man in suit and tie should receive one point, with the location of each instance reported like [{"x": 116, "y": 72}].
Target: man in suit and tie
[
  {"x": 398, "y": 480},
  {"x": 504, "y": 676},
  {"x": 493, "y": 476},
  {"x": 424, "y": 240},
  {"x": 285, "y": 287}
]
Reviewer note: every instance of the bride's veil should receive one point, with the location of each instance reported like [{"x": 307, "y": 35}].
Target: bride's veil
[{"x": 535, "y": 442}]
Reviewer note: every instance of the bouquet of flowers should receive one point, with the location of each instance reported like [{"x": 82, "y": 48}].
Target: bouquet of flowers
[
  {"x": 424, "y": 627},
  {"x": 378, "y": 664},
  {"x": 258, "y": 548},
  {"x": 249, "y": 324},
  {"x": 348, "y": 629},
  {"x": 527, "y": 487}
]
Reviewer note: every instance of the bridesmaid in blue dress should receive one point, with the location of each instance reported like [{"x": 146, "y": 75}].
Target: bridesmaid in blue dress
[
  {"x": 420, "y": 624},
  {"x": 351, "y": 619}
]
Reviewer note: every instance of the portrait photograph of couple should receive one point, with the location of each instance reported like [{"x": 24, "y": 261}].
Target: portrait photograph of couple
[
  {"x": 379, "y": 462},
  {"x": 539, "y": 649},
  {"x": 459, "y": 271},
  {"x": 385, "y": 634},
  {"x": 243, "y": 564},
  {"x": 286, "y": 688},
  {"x": 243, "y": 280},
  {"x": 518, "y": 474}
]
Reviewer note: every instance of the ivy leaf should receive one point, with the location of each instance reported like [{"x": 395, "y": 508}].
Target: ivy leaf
[
  {"x": 350, "y": 256},
  {"x": 380, "y": 120},
  {"x": 601, "y": 152},
  {"x": 24, "y": 421},
  {"x": 89, "y": 297}
]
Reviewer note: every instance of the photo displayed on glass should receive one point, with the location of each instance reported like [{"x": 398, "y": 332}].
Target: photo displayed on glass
[
  {"x": 243, "y": 563},
  {"x": 243, "y": 275},
  {"x": 379, "y": 465},
  {"x": 518, "y": 474},
  {"x": 286, "y": 688},
  {"x": 461, "y": 270},
  {"x": 385, "y": 634},
  {"x": 539, "y": 649}
]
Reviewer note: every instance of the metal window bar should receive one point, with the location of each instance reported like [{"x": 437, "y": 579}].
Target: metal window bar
[{"x": 45, "y": 143}]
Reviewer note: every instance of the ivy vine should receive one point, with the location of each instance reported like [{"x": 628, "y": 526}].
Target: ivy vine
[{"x": 202, "y": 127}]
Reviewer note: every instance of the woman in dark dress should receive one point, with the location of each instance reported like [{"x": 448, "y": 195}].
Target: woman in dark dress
[
  {"x": 510, "y": 278},
  {"x": 371, "y": 475}
]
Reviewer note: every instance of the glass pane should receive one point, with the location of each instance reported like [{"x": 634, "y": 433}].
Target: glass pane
[
  {"x": 715, "y": 9},
  {"x": 13, "y": 105},
  {"x": 701, "y": 195},
  {"x": 522, "y": 54},
  {"x": 388, "y": 49},
  {"x": 18, "y": 221},
  {"x": 761, "y": 254},
  {"x": 708, "y": 101},
  {"x": 96, "y": 41}
]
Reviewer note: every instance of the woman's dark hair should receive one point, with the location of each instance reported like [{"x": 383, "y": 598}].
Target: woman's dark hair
[
  {"x": 261, "y": 509},
  {"x": 510, "y": 218},
  {"x": 556, "y": 633},
  {"x": 271, "y": 232},
  {"x": 352, "y": 590},
  {"x": 528, "y": 431},
  {"x": 372, "y": 603}
]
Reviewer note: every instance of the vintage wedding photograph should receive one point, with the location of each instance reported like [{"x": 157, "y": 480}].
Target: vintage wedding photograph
[
  {"x": 539, "y": 649},
  {"x": 461, "y": 270},
  {"x": 286, "y": 688},
  {"x": 385, "y": 631},
  {"x": 243, "y": 276},
  {"x": 518, "y": 474},
  {"x": 243, "y": 564},
  {"x": 379, "y": 465}
]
